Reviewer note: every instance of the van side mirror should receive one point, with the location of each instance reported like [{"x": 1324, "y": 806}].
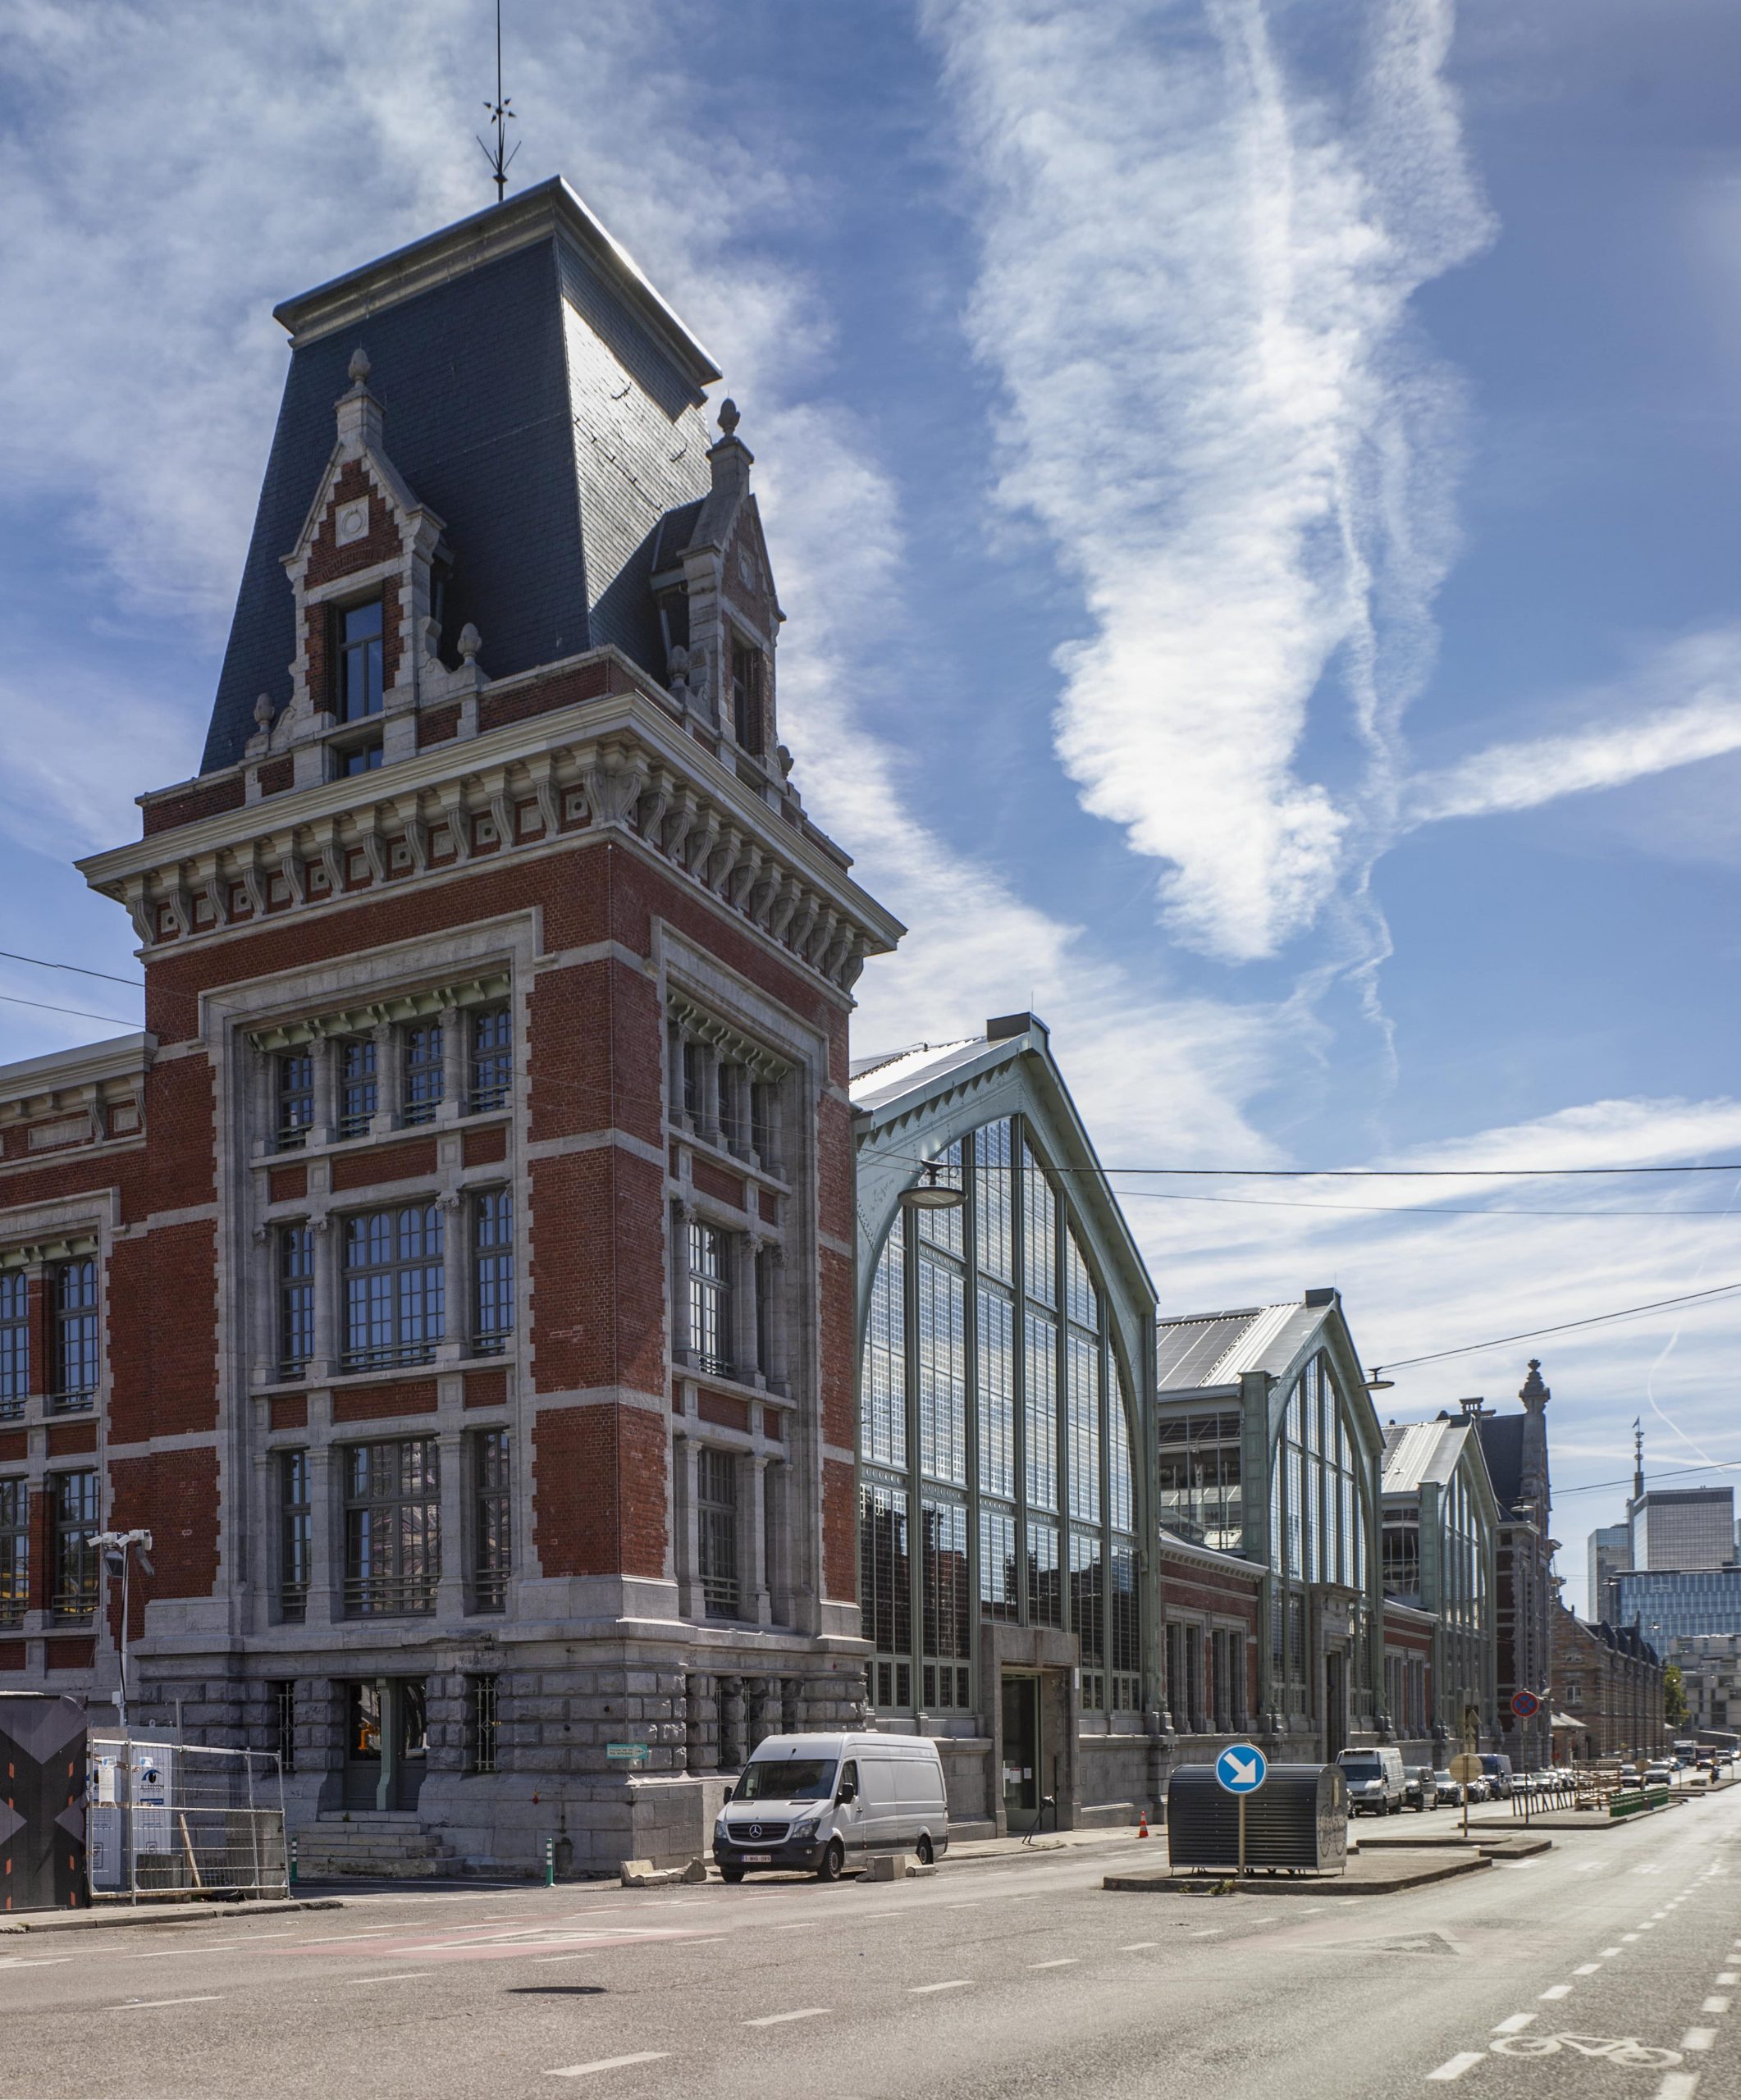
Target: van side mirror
[
  {"x": 729, "y": 1792},
  {"x": 849, "y": 1793}
]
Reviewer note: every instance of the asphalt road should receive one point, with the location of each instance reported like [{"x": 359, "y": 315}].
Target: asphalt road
[{"x": 1606, "y": 1967}]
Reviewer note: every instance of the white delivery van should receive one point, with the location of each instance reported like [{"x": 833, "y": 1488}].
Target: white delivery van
[
  {"x": 1376, "y": 1785},
  {"x": 817, "y": 1802}
]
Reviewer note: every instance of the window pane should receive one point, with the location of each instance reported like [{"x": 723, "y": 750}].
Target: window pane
[
  {"x": 423, "y": 1071},
  {"x": 1082, "y": 1368},
  {"x": 1040, "y": 1229},
  {"x": 944, "y": 1578},
  {"x": 885, "y": 1358},
  {"x": 885, "y": 1591},
  {"x": 994, "y": 1201},
  {"x": 75, "y": 1502},
  {"x": 717, "y": 1501},
  {"x": 1045, "y": 1593},
  {"x": 359, "y": 1094},
  {"x": 492, "y": 1058},
  {"x": 15, "y": 1341},
  {"x": 75, "y": 1366},
  {"x": 1040, "y": 1410},
  {"x": 943, "y": 1371},
  {"x": 1122, "y": 1513},
  {"x": 1000, "y": 1575},
  {"x": 15, "y": 1551},
  {"x": 493, "y": 1281},
  {"x": 296, "y": 1535},
  {"x": 392, "y": 1527},
  {"x": 1083, "y": 1304},
  {"x": 1087, "y": 1594},
  {"x": 492, "y": 1537},
  {"x": 394, "y": 1286},
  {"x": 996, "y": 1343},
  {"x": 296, "y": 1079}
]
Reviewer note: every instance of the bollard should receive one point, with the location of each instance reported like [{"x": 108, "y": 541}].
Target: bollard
[
  {"x": 549, "y": 1862},
  {"x": 294, "y": 1843}
]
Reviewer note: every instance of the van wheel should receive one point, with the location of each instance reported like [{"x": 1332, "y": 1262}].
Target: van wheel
[
  {"x": 833, "y": 1861},
  {"x": 925, "y": 1851},
  {"x": 731, "y": 1874}
]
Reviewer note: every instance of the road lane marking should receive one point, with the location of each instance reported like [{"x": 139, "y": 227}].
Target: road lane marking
[
  {"x": 1464, "y": 2060},
  {"x": 146, "y": 2005},
  {"x": 1517, "y": 2023},
  {"x": 542, "y": 1961},
  {"x": 1136, "y": 1946},
  {"x": 397, "y": 1976},
  {"x": 957, "y": 1983},
  {"x": 1609, "y": 1952},
  {"x": 1715, "y": 2005},
  {"x": 1678, "y": 2085},
  {"x": 1587, "y": 1969},
  {"x": 779, "y": 2018},
  {"x": 1211, "y": 1932},
  {"x": 1628, "y": 1936},
  {"x": 1069, "y": 1961},
  {"x": 1728, "y": 1976},
  {"x": 609, "y": 2063},
  {"x": 1697, "y": 2037},
  {"x": 1556, "y": 1991}
]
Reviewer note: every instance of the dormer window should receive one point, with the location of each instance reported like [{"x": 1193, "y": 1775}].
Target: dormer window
[
  {"x": 747, "y": 697},
  {"x": 359, "y": 662}
]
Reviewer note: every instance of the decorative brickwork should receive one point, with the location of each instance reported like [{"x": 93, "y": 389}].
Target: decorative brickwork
[
  {"x": 598, "y": 1490},
  {"x": 364, "y": 1170},
  {"x": 189, "y": 805},
  {"x": 373, "y": 1402}
]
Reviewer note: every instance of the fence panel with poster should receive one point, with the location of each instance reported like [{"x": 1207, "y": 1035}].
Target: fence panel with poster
[{"x": 185, "y": 1819}]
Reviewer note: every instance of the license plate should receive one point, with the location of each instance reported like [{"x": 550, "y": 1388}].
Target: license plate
[{"x": 758, "y": 1859}]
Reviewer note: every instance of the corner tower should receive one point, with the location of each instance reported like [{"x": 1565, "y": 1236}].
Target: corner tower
[{"x": 497, "y": 1207}]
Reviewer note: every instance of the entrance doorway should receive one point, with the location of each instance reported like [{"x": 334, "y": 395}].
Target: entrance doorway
[
  {"x": 1336, "y": 1703},
  {"x": 1021, "y": 1750},
  {"x": 387, "y": 1742}
]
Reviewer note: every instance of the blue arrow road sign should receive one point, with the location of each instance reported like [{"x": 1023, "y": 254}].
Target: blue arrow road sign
[{"x": 1241, "y": 1768}]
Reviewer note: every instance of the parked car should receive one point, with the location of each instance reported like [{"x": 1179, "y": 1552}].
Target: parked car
[
  {"x": 1376, "y": 1784},
  {"x": 1475, "y": 1790},
  {"x": 1419, "y": 1786},
  {"x": 813, "y": 1802},
  {"x": 1447, "y": 1791},
  {"x": 1498, "y": 1770},
  {"x": 1628, "y": 1775},
  {"x": 1659, "y": 1774}
]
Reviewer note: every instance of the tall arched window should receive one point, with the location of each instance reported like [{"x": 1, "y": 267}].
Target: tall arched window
[
  {"x": 994, "y": 1440},
  {"x": 1317, "y": 1526}
]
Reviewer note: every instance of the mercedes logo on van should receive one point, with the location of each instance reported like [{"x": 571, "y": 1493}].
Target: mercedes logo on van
[{"x": 755, "y": 1830}]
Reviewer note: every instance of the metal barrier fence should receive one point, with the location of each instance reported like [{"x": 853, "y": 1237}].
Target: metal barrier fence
[{"x": 184, "y": 1820}]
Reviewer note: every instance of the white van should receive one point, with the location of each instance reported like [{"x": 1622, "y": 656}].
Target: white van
[
  {"x": 1376, "y": 1784},
  {"x": 814, "y": 1802}
]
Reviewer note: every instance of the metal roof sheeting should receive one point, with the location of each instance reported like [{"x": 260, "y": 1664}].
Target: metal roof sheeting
[
  {"x": 1420, "y": 1451},
  {"x": 1216, "y": 1348}
]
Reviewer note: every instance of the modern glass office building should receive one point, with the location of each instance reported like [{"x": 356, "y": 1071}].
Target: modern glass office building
[
  {"x": 1667, "y": 1603},
  {"x": 1677, "y": 1528}
]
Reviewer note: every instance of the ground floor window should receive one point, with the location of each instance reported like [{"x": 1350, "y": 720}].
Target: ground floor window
[
  {"x": 717, "y": 1531},
  {"x": 482, "y": 1723},
  {"x": 392, "y": 1527}
]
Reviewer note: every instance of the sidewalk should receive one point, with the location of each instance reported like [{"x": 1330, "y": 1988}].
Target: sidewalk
[
  {"x": 157, "y": 1914},
  {"x": 982, "y": 1852}
]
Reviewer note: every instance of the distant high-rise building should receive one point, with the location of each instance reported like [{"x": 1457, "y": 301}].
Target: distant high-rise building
[
  {"x": 1683, "y": 1527},
  {"x": 1611, "y": 1551},
  {"x": 1671, "y": 1605}
]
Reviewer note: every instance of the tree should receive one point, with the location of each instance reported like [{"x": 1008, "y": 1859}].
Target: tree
[{"x": 1675, "y": 1710}]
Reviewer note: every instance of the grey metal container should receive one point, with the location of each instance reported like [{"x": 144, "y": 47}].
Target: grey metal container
[{"x": 1298, "y": 1818}]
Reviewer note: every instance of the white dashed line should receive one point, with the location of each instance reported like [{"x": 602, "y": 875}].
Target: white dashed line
[
  {"x": 1587, "y": 1969},
  {"x": 780, "y": 2018},
  {"x": 1136, "y": 1946},
  {"x": 1728, "y": 1976},
  {"x": 397, "y": 1976},
  {"x": 146, "y": 2005},
  {"x": 1069, "y": 1961},
  {"x": 1715, "y": 2005},
  {"x": 1556, "y": 1991},
  {"x": 1678, "y": 2085},
  {"x": 955, "y": 1984},
  {"x": 1517, "y": 2023},
  {"x": 1697, "y": 2038},
  {"x": 1464, "y": 2060},
  {"x": 1609, "y": 1953},
  {"x": 609, "y": 2063}
]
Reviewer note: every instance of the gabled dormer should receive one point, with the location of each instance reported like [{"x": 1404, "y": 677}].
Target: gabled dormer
[
  {"x": 367, "y": 574},
  {"x": 719, "y": 610}
]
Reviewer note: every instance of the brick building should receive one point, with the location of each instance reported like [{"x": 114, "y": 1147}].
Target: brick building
[
  {"x": 457, "y": 1276},
  {"x": 1515, "y": 1447},
  {"x": 1608, "y": 1682}
]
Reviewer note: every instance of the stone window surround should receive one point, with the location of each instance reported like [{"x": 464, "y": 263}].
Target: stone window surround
[
  {"x": 38, "y": 1237},
  {"x": 1204, "y": 1623}
]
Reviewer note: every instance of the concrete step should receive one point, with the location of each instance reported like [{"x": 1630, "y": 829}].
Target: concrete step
[{"x": 391, "y": 1846}]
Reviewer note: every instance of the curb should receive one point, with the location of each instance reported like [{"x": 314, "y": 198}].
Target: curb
[
  {"x": 73, "y": 1921},
  {"x": 1304, "y": 1884},
  {"x": 1018, "y": 1850}
]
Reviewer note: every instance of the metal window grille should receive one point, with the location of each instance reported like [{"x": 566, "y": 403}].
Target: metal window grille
[
  {"x": 360, "y": 664},
  {"x": 295, "y": 1083},
  {"x": 75, "y": 1336},
  {"x": 76, "y": 1506},
  {"x": 423, "y": 1071},
  {"x": 359, "y": 1089},
  {"x": 492, "y": 1058},
  {"x": 493, "y": 1537},
  {"x": 394, "y": 1301},
  {"x": 284, "y": 1721},
  {"x": 14, "y": 1342},
  {"x": 392, "y": 1528},
  {"x": 492, "y": 1254},
  {"x": 483, "y": 1726},
  {"x": 295, "y": 1535},
  {"x": 710, "y": 1299},
  {"x": 15, "y": 1551},
  {"x": 716, "y": 1506},
  {"x": 184, "y": 1820},
  {"x": 295, "y": 1299}
]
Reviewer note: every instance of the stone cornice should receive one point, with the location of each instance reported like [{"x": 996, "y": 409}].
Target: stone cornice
[{"x": 619, "y": 762}]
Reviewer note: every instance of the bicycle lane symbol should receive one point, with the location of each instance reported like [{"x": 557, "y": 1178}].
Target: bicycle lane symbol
[{"x": 1625, "y": 2051}]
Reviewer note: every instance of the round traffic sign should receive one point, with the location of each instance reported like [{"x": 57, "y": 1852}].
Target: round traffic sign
[
  {"x": 1525, "y": 1704},
  {"x": 1467, "y": 1767},
  {"x": 1241, "y": 1768}
]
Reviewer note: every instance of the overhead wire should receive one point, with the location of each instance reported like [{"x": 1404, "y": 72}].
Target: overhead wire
[{"x": 1562, "y": 1328}]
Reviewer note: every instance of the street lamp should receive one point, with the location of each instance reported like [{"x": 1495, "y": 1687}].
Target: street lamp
[
  {"x": 931, "y": 1194},
  {"x": 117, "y": 1549}
]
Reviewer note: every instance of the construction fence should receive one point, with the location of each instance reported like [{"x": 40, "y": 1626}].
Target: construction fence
[{"x": 173, "y": 1819}]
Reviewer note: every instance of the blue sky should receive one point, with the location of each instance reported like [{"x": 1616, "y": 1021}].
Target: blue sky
[{"x": 1254, "y": 490}]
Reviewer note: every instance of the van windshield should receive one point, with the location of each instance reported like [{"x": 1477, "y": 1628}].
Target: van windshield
[
  {"x": 787, "y": 1779},
  {"x": 1361, "y": 1768}
]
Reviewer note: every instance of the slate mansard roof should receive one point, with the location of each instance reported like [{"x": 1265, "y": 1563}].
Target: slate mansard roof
[{"x": 539, "y": 397}]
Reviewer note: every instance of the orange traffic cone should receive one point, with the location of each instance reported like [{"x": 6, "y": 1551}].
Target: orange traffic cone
[{"x": 1142, "y": 1827}]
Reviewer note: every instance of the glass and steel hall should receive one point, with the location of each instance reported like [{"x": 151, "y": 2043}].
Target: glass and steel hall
[{"x": 997, "y": 1426}]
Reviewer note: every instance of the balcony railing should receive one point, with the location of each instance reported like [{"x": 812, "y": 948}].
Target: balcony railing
[{"x": 390, "y": 1597}]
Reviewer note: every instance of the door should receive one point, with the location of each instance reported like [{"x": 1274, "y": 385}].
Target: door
[
  {"x": 1021, "y": 1750},
  {"x": 387, "y": 1742},
  {"x": 849, "y": 1814},
  {"x": 1336, "y": 1703}
]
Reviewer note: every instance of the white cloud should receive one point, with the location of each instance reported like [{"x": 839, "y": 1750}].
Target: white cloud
[
  {"x": 1700, "y": 673},
  {"x": 1195, "y": 289}
]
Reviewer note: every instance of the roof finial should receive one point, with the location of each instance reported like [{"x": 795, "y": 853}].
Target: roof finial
[
  {"x": 728, "y": 418},
  {"x": 501, "y": 114},
  {"x": 359, "y": 366},
  {"x": 264, "y": 711}
]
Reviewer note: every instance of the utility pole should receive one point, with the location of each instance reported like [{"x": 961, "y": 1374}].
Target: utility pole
[{"x": 117, "y": 1549}]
